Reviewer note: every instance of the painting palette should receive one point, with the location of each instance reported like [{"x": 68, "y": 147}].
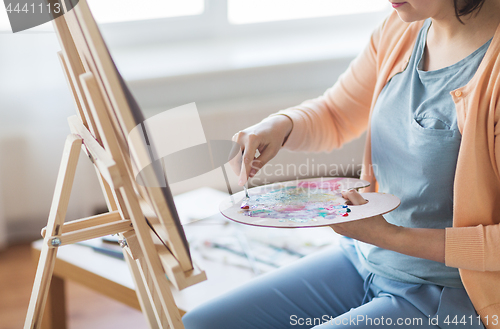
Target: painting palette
[{"x": 305, "y": 203}]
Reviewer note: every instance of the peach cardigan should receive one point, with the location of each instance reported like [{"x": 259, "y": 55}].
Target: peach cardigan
[{"x": 343, "y": 113}]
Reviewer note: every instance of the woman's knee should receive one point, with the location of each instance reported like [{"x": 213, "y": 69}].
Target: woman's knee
[{"x": 201, "y": 318}]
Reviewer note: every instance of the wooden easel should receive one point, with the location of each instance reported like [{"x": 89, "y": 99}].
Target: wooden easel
[{"x": 153, "y": 241}]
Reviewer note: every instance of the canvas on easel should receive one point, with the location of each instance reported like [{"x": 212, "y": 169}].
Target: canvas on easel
[{"x": 109, "y": 128}]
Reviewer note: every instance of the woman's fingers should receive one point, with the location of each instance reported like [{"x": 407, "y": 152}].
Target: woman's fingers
[
  {"x": 354, "y": 197},
  {"x": 267, "y": 154},
  {"x": 243, "y": 161},
  {"x": 235, "y": 155},
  {"x": 252, "y": 142},
  {"x": 267, "y": 137}
]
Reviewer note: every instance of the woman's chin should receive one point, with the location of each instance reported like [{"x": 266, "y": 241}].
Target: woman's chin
[{"x": 408, "y": 17}]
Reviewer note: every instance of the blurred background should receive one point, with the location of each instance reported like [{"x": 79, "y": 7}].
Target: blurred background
[{"x": 239, "y": 60}]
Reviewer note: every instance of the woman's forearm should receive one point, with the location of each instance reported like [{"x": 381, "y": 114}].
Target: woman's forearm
[
  {"x": 425, "y": 243},
  {"x": 417, "y": 242}
]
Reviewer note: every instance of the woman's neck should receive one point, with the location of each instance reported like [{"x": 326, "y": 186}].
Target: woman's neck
[
  {"x": 449, "y": 41},
  {"x": 477, "y": 28}
]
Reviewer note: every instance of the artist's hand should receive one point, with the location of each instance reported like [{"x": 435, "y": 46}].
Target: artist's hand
[
  {"x": 373, "y": 230},
  {"x": 267, "y": 137},
  {"x": 425, "y": 243}
]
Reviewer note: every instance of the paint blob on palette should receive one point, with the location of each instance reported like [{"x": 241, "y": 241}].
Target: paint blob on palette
[
  {"x": 305, "y": 203},
  {"x": 301, "y": 203}
]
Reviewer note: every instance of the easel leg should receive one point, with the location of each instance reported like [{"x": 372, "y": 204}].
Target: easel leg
[
  {"x": 153, "y": 296},
  {"x": 56, "y": 220},
  {"x": 142, "y": 292},
  {"x": 169, "y": 317},
  {"x": 55, "y": 309}
]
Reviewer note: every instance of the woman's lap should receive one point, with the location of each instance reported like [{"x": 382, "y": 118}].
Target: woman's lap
[
  {"x": 421, "y": 307},
  {"x": 305, "y": 289},
  {"x": 327, "y": 286},
  {"x": 381, "y": 312}
]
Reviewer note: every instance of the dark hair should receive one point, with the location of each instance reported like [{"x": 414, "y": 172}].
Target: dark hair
[{"x": 468, "y": 7}]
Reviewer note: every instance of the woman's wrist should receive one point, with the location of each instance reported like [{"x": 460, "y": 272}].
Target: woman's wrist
[
  {"x": 282, "y": 123},
  {"x": 386, "y": 236}
]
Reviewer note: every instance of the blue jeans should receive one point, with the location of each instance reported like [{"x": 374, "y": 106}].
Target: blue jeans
[{"x": 331, "y": 289}]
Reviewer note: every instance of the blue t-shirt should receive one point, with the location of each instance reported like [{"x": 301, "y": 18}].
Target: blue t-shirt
[{"x": 415, "y": 142}]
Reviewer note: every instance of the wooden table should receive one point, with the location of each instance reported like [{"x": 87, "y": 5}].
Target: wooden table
[{"x": 111, "y": 277}]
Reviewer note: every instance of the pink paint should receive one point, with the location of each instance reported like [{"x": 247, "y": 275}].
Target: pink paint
[
  {"x": 330, "y": 184},
  {"x": 293, "y": 208}
]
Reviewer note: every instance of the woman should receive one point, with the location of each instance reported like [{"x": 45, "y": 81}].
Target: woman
[{"x": 427, "y": 90}]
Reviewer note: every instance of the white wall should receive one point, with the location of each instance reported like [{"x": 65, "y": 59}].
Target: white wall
[
  {"x": 34, "y": 105},
  {"x": 35, "y": 102}
]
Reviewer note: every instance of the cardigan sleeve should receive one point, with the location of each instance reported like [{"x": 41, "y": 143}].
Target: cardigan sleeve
[
  {"x": 477, "y": 247},
  {"x": 473, "y": 248},
  {"x": 342, "y": 112}
]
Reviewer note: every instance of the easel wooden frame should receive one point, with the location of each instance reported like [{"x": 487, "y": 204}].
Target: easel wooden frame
[{"x": 154, "y": 246}]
